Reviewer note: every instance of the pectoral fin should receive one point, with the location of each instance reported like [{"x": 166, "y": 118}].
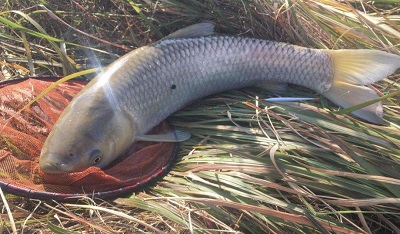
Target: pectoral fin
[
  {"x": 195, "y": 30},
  {"x": 172, "y": 136}
]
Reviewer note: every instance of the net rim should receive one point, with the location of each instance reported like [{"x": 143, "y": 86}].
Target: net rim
[{"x": 44, "y": 195}]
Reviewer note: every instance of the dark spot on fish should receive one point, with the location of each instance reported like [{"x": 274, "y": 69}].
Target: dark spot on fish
[{"x": 173, "y": 86}]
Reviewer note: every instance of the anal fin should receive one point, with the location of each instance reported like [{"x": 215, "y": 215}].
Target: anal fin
[{"x": 347, "y": 95}]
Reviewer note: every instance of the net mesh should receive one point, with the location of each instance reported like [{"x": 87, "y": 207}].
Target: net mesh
[{"x": 23, "y": 134}]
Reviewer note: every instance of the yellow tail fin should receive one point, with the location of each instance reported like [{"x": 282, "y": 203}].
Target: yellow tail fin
[{"x": 355, "y": 68}]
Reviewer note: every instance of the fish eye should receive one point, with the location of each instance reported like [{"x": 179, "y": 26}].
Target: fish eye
[
  {"x": 96, "y": 156},
  {"x": 96, "y": 159},
  {"x": 71, "y": 154}
]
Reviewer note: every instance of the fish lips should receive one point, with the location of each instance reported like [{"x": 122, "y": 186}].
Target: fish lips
[
  {"x": 51, "y": 168},
  {"x": 56, "y": 166}
]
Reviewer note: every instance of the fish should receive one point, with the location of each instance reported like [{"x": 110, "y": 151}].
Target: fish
[{"x": 145, "y": 86}]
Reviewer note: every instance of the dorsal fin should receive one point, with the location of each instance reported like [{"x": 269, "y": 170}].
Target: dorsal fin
[{"x": 195, "y": 30}]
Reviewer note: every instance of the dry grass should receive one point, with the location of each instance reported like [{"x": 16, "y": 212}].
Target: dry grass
[{"x": 261, "y": 168}]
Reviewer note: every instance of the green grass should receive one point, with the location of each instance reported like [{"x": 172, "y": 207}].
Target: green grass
[{"x": 251, "y": 166}]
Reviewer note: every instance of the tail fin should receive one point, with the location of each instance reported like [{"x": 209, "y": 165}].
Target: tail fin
[{"x": 355, "y": 68}]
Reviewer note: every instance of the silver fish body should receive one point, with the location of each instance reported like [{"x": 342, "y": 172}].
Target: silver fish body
[
  {"x": 155, "y": 81},
  {"x": 145, "y": 86}
]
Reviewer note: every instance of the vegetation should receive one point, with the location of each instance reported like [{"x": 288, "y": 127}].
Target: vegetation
[{"x": 252, "y": 166}]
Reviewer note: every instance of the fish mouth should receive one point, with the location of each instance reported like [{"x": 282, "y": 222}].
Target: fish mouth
[
  {"x": 57, "y": 167},
  {"x": 50, "y": 163},
  {"x": 52, "y": 168}
]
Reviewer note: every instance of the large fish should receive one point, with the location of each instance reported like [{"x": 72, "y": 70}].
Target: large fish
[{"x": 145, "y": 86}]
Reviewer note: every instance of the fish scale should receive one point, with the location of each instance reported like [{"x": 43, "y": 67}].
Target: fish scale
[
  {"x": 203, "y": 66},
  {"x": 145, "y": 86}
]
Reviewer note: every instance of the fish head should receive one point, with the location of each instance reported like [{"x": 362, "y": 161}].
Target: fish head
[{"x": 86, "y": 134}]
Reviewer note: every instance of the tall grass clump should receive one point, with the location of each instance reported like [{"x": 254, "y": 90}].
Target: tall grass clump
[{"x": 251, "y": 166}]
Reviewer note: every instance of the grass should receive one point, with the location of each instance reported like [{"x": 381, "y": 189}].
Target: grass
[{"x": 251, "y": 166}]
